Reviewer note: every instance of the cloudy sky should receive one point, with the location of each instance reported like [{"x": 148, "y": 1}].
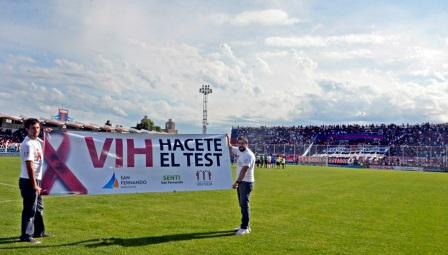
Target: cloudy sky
[{"x": 268, "y": 62}]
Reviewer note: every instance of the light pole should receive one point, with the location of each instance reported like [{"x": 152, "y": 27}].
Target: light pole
[{"x": 205, "y": 90}]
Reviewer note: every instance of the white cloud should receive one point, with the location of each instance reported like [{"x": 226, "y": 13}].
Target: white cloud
[
  {"x": 272, "y": 54},
  {"x": 227, "y": 52},
  {"x": 264, "y": 66},
  {"x": 352, "y": 54},
  {"x": 359, "y": 39},
  {"x": 66, "y": 64},
  {"x": 305, "y": 63},
  {"x": 122, "y": 88},
  {"x": 270, "y": 17},
  {"x": 324, "y": 41},
  {"x": 303, "y": 41},
  {"x": 110, "y": 60},
  {"x": 265, "y": 17}
]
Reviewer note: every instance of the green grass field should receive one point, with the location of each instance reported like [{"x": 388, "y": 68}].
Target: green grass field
[{"x": 300, "y": 210}]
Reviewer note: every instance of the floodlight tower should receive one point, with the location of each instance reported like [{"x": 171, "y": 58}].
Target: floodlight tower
[{"x": 205, "y": 90}]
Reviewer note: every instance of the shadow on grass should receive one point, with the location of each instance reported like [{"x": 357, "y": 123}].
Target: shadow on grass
[
  {"x": 129, "y": 242},
  {"x": 9, "y": 239}
]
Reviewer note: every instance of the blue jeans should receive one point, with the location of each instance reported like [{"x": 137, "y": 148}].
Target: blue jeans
[
  {"x": 243, "y": 191},
  {"x": 33, "y": 209}
]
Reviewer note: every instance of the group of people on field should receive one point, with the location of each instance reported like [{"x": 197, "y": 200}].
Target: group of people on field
[{"x": 268, "y": 161}]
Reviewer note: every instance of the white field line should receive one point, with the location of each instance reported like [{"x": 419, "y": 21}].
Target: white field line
[
  {"x": 9, "y": 185},
  {"x": 7, "y": 201},
  {"x": 14, "y": 186}
]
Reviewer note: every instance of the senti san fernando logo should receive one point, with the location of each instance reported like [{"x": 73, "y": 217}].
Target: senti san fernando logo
[
  {"x": 204, "y": 178},
  {"x": 124, "y": 182},
  {"x": 172, "y": 179}
]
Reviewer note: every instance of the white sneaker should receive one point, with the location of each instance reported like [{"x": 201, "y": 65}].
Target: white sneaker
[
  {"x": 242, "y": 231},
  {"x": 236, "y": 229}
]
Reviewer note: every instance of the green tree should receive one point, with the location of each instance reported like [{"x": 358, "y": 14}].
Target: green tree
[{"x": 146, "y": 124}]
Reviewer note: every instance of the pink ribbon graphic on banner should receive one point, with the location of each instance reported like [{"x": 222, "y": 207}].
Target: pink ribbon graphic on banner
[{"x": 58, "y": 169}]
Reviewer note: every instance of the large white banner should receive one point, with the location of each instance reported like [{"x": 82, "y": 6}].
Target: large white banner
[{"x": 109, "y": 163}]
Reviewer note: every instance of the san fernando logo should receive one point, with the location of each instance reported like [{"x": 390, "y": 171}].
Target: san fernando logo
[{"x": 112, "y": 183}]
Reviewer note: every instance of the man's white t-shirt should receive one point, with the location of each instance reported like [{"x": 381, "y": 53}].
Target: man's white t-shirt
[
  {"x": 245, "y": 158},
  {"x": 31, "y": 150}
]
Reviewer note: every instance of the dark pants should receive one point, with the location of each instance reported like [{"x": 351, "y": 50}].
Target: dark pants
[
  {"x": 32, "y": 213},
  {"x": 243, "y": 191}
]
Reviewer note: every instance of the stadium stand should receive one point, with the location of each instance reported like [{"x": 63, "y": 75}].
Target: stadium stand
[
  {"x": 411, "y": 135},
  {"x": 421, "y": 145},
  {"x": 9, "y": 140}
]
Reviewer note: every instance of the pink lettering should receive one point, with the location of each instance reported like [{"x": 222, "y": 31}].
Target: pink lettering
[
  {"x": 132, "y": 151},
  {"x": 98, "y": 162},
  {"x": 119, "y": 151}
]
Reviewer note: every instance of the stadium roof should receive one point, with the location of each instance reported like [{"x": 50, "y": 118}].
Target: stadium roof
[
  {"x": 6, "y": 116},
  {"x": 140, "y": 131},
  {"x": 80, "y": 125},
  {"x": 74, "y": 124},
  {"x": 54, "y": 122},
  {"x": 121, "y": 130},
  {"x": 91, "y": 127},
  {"x": 107, "y": 128}
]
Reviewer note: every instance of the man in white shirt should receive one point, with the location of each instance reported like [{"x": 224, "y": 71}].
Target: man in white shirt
[
  {"x": 31, "y": 155},
  {"x": 245, "y": 180}
]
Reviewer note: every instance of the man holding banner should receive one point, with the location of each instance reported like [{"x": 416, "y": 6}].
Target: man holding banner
[
  {"x": 31, "y": 154},
  {"x": 245, "y": 180}
]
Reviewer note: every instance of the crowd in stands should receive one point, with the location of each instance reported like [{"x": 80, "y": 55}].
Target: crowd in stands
[
  {"x": 388, "y": 135},
  {"x": 9, "y": 140},
  {"x": 380, "y": 145}
]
